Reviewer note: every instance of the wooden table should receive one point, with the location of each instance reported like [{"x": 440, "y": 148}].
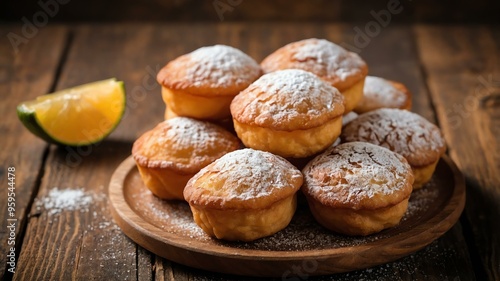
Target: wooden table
[{"x": 453, "y": 72}]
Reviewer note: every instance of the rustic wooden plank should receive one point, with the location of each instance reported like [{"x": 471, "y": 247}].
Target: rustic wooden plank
[
  {"x": 462, "y": 66},
  {"x": 71, "y": 234},
  {"x": 145, "y": 265},
  {"x": 24, "y": 74}
]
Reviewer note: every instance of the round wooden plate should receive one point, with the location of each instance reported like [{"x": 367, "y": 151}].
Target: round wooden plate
[{"x": 167, "y": 229}]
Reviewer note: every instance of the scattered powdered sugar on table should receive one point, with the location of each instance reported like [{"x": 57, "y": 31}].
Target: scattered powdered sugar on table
[
  {"x": 59, "y": 200},
  {"x": 109, "y": 249},
  {"x": 99, "y": 241},
  {"x": 437, "y": 254}
]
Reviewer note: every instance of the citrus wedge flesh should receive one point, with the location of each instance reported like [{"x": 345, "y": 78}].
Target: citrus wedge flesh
[{"x": 77, "y": 116}]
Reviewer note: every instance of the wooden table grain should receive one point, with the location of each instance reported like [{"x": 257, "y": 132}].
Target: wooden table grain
[{"x": 453, "y": 72}]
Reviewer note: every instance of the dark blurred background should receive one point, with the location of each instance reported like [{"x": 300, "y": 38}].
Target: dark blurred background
[{"x": 422, "y": 11}]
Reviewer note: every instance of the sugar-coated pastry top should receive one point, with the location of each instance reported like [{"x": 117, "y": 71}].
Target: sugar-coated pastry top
[
  {"x": 382, "y": 93},
  {"x": 287, "y": 100},
  {"x": 213, "y": 70},
  {"x": 401, "y": 131},
  {"x": 358, "y": 175},
  {"x": 329, "y": 61},
  {"x": 183, "y": 144},
  {"x": 243, "y": 179}
]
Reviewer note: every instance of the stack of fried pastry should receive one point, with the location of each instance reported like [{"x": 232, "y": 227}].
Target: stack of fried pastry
[{"x": 310, "y": 103}]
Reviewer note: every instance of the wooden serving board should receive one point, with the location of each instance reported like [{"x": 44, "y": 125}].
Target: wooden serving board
[{"x": 167, "y": 229}]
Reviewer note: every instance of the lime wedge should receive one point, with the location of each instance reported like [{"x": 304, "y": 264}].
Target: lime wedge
[{"x": 77, "y": 116}]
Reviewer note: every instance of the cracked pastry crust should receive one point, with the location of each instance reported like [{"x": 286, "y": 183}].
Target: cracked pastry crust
[
  {"x": 201, "y": 84},
  {"x": 404, "y": 132},
  {"x": 342, "y": 69},
  {"x": 382, "y": 93},
  {"x": 175, "y": 150},
  {"x": 290, "y": 112},
  {"x": 358, "y": 188},
  {"x": 245, "y": 195}
]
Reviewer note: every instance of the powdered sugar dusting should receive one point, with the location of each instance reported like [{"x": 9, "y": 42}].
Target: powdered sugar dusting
[
  {"x": 288, "y": 95},
  {"x": 401, "y": 131},
  {"x": 327, "y": 58},
  {"x": 321, "y": 57},
  {"x": 222, "y": 66},
  {"x": 187, "y": 133},
  {"x": 60, "y": 200},
  {"x": 352, "y": 172},
  {"x": 186, "y": 140},
  {"x": 247, "y": 174},
  {"x": 378, "y": 93}
]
